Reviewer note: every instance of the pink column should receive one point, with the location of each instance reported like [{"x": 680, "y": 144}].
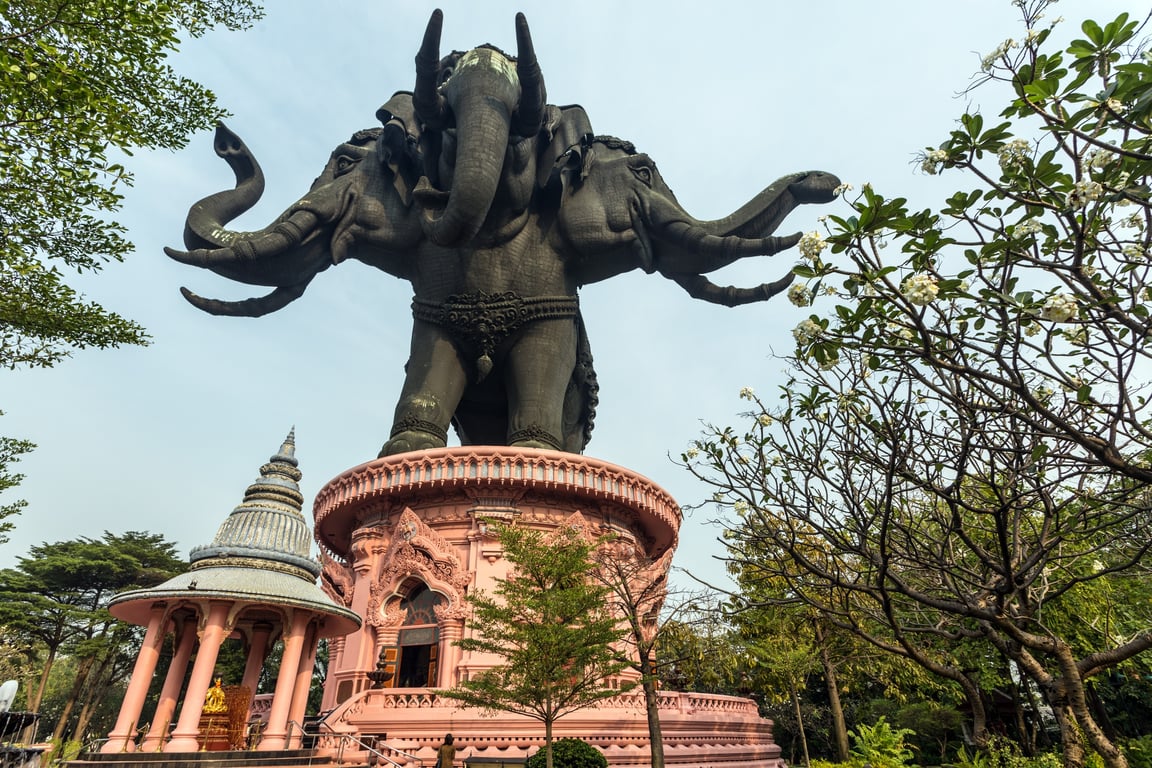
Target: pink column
[
  {"x": 303, "y": 685},
  {"x": 120, "y": 737},
  {"x": 170, "y": 693},
  {"x": 184, "y": 738},
  {"x": 257, "y": 653},
  {"x": 276, "y": 733},
  {"x": 448, "y": 674}
]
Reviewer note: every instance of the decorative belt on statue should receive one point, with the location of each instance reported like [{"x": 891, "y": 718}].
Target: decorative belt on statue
[{"x": 483, "y": 320}]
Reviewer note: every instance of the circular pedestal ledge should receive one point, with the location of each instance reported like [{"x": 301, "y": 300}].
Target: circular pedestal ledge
[{"x": 344, "y": 501}]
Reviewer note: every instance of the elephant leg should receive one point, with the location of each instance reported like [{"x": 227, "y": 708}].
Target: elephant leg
[
  {"x": 539, "y": 367},
  {"x": 434, "y": 382}
]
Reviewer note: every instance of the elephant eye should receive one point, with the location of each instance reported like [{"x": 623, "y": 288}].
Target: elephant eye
[
  {"x": 644, "y": 173},
  {"x": 445, "y": 74},
  {"x": 345, "y": 163}
]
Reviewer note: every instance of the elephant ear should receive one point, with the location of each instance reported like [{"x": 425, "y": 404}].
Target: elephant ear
[{"x": 564, "y": 128}]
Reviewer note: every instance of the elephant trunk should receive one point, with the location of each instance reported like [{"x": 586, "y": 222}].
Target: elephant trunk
[
  {"x": 205, "y": 224},
  {"x": 482, "y": 94},
  {"x": 691, "y": 248},
  {"x": 761, "y": 215}
]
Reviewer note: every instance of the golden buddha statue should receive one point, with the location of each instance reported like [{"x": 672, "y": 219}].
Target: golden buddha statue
[{"x": 214, "y": 700}]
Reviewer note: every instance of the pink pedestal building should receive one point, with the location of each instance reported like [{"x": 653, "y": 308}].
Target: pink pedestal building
[{"x": 405, "y": 538}]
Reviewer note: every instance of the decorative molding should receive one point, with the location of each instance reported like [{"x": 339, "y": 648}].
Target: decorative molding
[{"x": 415, "y": 551}]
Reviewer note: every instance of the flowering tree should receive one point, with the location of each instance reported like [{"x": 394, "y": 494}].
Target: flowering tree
[{"x": 962, "y": 454}]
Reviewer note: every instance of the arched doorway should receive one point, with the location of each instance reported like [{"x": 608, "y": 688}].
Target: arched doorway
[{"x": 418, "y": 641}]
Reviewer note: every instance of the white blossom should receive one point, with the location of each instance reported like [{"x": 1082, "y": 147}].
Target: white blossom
[
  {"x": 1083, "y": 193},
  {"x": 900, "y": 331},
  {"x": 829, "y": 363},
  {"x": 1114, "y": 105},
  {"x": 764, "y": 419},
  {"x": 932, "y": 160},
  {"x": 799, "y": 295},
  {"x": 1002, "y": 49},
  {"x": 692, "y": 452},
  {"x": 1136, "y": 251},
  {"x": 811, "y": 244},
  {"x": 806, "y": 331},
  {"x": 1134, "y": 221},
  {"x": 1027, "y": 227},
  {"x": 842, "y": 189},
  {"x": 1098, "y": 159},
  {"x": 1059, "y": 308},
  {"x": 1013, "y": 154},
  {"x": 740, "y": 508},
  {"x": 920, "y": 289},
  {"x": 746, "y": 393}
]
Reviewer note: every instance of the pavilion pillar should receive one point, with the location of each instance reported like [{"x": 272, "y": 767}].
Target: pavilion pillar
[
  {"x": 173, "y": 681},
  {"x": 303, "y": 685},
  {"x": 184, "y": 738},
  {"x": 257, "y": 654},
  {"x": 120, "y": 738},
  {"x": 275, "y": 735}
]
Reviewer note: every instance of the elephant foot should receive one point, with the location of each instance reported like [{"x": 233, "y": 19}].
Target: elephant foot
[
  {"x": 410, "y": 437},
  {"x": 534, "y": 436},
  {"x": 533, "y": 444}
]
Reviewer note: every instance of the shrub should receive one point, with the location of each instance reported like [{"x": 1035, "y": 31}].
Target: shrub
[
  {"x": 569, "y": 753},
  {"x": 880, "y": 746},
  {"x": 1139, "y": 752}
]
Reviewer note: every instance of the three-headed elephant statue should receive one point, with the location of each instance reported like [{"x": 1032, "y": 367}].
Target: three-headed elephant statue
[{"x": 495, "y": 232}]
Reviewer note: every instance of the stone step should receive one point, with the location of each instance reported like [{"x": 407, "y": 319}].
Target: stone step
[{"x": 284, "y": 758}]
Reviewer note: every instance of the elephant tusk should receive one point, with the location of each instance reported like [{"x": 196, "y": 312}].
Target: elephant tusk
[
  {"x": 727, "y": 247},
  {"x": 533, "y": 96},
  {"x": 426, "y": 99},
  {"x": 257, "y": 307},
  {"x": 700, "y": 287}
]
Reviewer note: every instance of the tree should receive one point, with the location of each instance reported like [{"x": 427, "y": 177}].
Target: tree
[
  {"x": 638, "y": 589},
  {"x": 10, "y": 452},
  {"x": 964, "y": 446},
  {"x": 84, "y": 83},
  {"x": 551, "y": 625},
  {"x": 56, "y": 601}
]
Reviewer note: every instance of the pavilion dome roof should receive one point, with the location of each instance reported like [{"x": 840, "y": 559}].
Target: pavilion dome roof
[{"x": 259, "y": 556}]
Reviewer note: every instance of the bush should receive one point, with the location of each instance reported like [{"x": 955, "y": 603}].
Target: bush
[
  {"x": 569, "y": 753},
  {"x": 1139, "y": 752},
  {"x": 880, "y": 746}
]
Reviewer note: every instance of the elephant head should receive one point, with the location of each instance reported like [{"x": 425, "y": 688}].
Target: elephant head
[
  {"x": 354, "y": 209},
  {"x": 481, "y": 113},
  {"x": 617, "y": 214}
]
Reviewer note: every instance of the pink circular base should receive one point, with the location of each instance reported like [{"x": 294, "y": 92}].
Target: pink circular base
[{"x": 427, "y": 517}]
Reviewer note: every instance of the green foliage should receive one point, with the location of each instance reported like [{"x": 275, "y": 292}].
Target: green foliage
[
  {"x": 55, "y": 602},
  {"x": 880, "y": 745},
  {"x": 551, "y": 625},
  {"x": 62, "y": 751},
  {"x": 1139, "y": 751},
  {"x": 1002, "y": 752},
  {"x": 569, "y": 753},
  {"x": 83, "y": 84},
  {"x": 11, "y": 450},
  {"x": 958, "y": 469}
]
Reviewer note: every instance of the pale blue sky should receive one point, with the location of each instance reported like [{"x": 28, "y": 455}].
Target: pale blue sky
[{"x": 725, "y": 96}]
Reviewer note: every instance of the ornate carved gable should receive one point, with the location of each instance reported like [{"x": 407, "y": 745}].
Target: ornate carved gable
[
  {"x": 336, "y": 579},
  {"x": 417, "y": 551},
  {"x": 578, "y": 524}
]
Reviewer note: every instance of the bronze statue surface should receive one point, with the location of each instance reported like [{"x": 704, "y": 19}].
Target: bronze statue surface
[{"x": 496, "y": 206}]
